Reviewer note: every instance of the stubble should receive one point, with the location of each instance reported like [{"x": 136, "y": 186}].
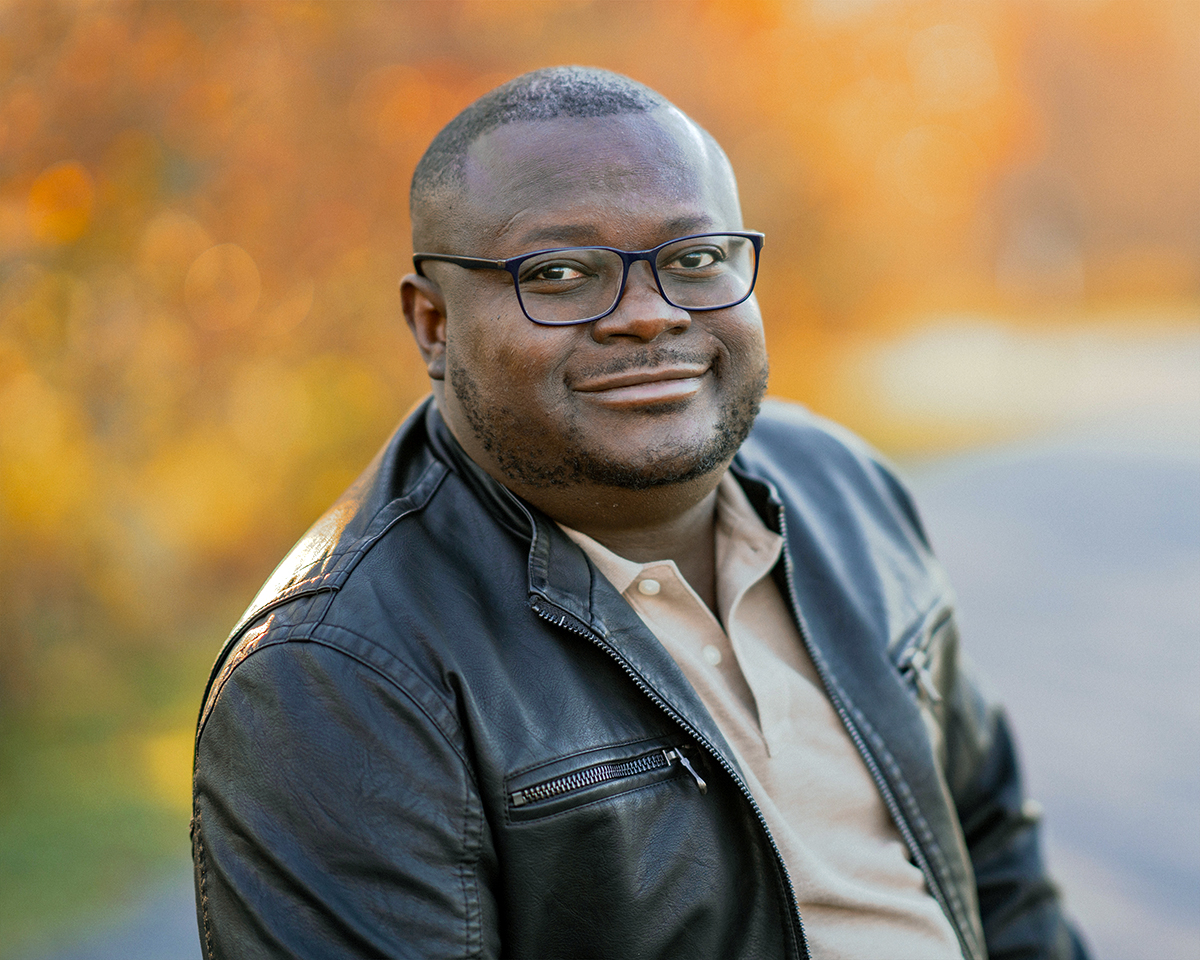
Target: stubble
[{"x": 522, "y": 456}]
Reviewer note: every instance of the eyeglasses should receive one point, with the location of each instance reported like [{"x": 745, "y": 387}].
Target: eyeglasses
[{"x": 565, "y": 285}]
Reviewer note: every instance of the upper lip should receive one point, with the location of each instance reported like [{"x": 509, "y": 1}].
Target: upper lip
[{"x": 631, "y": 378}]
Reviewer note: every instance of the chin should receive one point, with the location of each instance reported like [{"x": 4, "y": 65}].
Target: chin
[
  {"x": 630, "y": 477},
  {"x": 665, "y": 464},
  {"x": 576, "y": 452}
]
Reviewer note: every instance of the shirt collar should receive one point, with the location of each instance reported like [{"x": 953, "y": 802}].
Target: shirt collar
[{"x": 738, "y": 526}]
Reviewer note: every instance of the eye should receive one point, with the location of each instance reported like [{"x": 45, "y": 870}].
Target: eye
[
  {"x": 566, "y": 271},
  {"x": 554, "y": 272},
  {"x": 696, "y": 258}
]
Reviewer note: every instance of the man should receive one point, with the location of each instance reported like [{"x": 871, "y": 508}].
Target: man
[{"x": 589, "y": 663}]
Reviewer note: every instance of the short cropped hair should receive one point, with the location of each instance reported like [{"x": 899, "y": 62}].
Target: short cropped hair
[{"x": 546, "y": 94}]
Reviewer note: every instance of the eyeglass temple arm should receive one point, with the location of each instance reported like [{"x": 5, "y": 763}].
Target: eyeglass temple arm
[{"x": 471, "y": 263}]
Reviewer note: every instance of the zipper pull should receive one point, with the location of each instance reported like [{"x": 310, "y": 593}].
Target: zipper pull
[
  {"x": 919, "y": 665},
  {"x": 673, "y": 755}
]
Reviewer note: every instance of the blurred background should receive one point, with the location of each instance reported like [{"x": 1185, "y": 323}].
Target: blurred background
[{"x": 983, "y": 253}]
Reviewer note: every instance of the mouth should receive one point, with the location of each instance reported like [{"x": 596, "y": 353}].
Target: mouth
[{"x": 647, "y": 386}]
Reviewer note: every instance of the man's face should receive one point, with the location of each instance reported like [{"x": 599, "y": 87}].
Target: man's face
[{"x": 647, "y": 396}]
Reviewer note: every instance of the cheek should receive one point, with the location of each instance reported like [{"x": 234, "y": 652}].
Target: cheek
[
  {"x": 513, "y": 364},
  {"x": 476, "y": 332},
  {"x": 743, "y": 338}
]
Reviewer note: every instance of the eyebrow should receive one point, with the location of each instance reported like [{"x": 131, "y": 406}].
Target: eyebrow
[{"x": 586, "y": 234}]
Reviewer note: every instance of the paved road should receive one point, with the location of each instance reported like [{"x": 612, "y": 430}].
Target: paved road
[{"x": 1077, "y": 563}]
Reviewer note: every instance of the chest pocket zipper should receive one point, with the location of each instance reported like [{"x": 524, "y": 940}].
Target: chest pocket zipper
[{"x": 604, "y": 773}]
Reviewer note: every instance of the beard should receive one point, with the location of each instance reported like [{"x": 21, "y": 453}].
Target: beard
[{"x": 523, "y": 456}]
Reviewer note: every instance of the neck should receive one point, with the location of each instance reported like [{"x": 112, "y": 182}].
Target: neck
[{"x": 644, "y": 525}]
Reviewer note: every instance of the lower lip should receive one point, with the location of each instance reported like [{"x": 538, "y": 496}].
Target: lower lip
[{"x": 645, "y": 394}]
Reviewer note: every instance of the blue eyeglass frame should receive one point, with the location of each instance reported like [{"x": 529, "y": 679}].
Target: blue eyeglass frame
[{"x": 628, "y": 257}]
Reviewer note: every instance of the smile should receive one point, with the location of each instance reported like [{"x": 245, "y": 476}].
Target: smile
[{"x": 639, "y": 387}]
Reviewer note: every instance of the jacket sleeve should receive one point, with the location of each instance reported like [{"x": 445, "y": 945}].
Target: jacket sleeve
[
  {"x": 335, "y": 816},
  {"x": 1019, "y": 905}
]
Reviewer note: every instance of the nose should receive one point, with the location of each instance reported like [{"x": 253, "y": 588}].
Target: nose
[{"x": 641, "y": 313}]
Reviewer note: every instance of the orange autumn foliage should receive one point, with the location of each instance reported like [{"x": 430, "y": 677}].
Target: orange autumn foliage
[{"x": 203, "y": 215}]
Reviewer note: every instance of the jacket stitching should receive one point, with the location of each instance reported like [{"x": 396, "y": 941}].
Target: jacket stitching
[
  {"x": 202, "y": 864},
  {"x": 255, "y": 639},
  {"x": 325, "y": 635},
  {"x": 341, "y": 562},
  {"x": 451, "y": 738},
  {"x": 468, "y": 873},
  {"x": 246, "y": 646},
  {"x": 312, "y": 617}
]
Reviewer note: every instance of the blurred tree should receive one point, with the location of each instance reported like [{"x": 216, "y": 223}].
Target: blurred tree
[{"x": 203, "y": 216}]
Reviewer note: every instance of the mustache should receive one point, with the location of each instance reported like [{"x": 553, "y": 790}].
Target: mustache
[{"x": 648, "y": 358}]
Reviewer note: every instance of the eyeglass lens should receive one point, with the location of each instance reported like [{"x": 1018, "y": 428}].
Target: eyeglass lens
[{"x": 566, "y": 286}]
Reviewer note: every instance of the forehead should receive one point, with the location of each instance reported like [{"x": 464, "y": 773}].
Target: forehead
[{"x": 631, "y": 180}]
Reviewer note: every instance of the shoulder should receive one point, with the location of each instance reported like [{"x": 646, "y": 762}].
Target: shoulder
[
  {"x": 409, "y": 562},
  {"x": 790, "y": 430},
  {"x": 297, "y": 600},
  {"x": 792, "y": 447},
  {"x": 852, "y": 528}
]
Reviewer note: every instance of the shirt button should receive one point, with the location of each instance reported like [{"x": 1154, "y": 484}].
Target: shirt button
[
  {"x": 649, "y": 587},
  {"x": 712, "y": 655}
]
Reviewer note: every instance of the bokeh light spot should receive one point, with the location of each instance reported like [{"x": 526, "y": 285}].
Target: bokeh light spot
[
  {"x": 60, "y": 203},
  {"x": 170, "y": 244},
  {"x": 953, "y": 68},
  {"x": 222, "y": 287},
  {"x": 389, "y": 102}
]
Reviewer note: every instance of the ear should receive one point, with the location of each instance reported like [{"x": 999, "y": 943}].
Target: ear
[{"x": 425, "y": 312}]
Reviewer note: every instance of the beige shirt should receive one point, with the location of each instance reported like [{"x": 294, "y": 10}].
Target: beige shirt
[{"x": 860, "y": 896}]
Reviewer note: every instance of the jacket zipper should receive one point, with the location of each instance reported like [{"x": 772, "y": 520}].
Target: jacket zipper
[
  {"x": 565, "y": 620},
  {"x": 881, "y": 784},
  {"x": 604, "y": 773}
]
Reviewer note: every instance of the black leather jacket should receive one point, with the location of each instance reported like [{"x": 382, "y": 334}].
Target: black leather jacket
[{"x": 440, "y": 732}]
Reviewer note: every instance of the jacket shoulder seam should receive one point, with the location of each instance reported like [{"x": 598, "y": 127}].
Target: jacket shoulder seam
[
  {"x": 343, "y": 559},
  {"x": 326, "y": 584},
  {"x": 237, "y": 651},
  {"x": 442, "y": 717}
]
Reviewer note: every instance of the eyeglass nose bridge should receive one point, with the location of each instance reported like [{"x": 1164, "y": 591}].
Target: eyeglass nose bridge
[{"x": 628, "y": 259}]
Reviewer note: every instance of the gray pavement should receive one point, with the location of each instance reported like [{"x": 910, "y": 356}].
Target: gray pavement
[{"x": 1077, "y": 563}]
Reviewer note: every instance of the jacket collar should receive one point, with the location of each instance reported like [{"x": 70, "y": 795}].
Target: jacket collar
[
  {"x": 561, "y": 576},
  {"x": 512, "y": 512},
  {"x": 558, "y": 569}
]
